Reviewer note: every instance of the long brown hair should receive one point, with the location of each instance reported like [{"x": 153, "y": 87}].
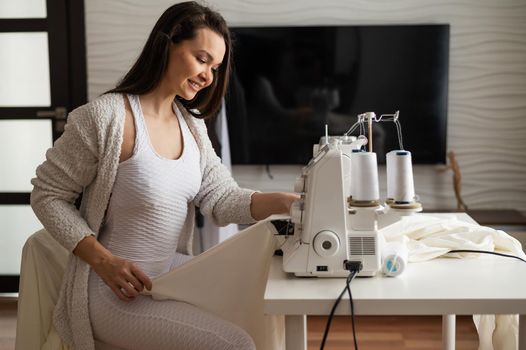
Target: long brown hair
[{"x": 178, "y": 23}]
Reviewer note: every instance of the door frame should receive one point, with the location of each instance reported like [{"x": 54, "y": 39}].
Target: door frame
[{"x": 68, "y": 78}]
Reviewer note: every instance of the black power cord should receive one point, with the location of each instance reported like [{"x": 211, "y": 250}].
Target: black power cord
[
  {"x": 486, "y": 252},
  {"x": 349, "y": 279},
  {"x": 354, "y": 267}
]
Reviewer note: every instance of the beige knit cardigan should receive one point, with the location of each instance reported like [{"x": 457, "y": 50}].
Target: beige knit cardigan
[{"x": 85, "y": 160}]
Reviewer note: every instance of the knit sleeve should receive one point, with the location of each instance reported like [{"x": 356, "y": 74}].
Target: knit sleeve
[
  {"x": 70, "y": 165},
  {"x": 220, "y": 197}
]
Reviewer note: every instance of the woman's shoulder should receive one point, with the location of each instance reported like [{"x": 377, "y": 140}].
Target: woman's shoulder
[
  {"x": 104, "y": 106},
  {"x": 100, "y": 112}
]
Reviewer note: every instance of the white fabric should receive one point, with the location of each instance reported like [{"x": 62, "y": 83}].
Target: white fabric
[
  {"x": 43, "y": 263},
  {"x": 234, "y": 273},
  {"x": 428, "y": 237},
  {"x": 229, "y": 281}
]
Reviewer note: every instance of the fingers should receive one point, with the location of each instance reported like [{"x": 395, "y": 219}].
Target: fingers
[
  {"x": 142, "y": 277},
  {"x": 120, "y": 294},
  {"x": 123, "y": 282},
  {"x": 128, "y": 290},
  {"x": 129, "y": 285},
  {"x": 124, "y": 278},
  {"x": 124, "y": 290},
  {"x": 134, "y": 282}
]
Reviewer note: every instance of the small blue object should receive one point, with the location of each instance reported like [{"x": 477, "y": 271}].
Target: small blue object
[
  {"x": 391, "y": 267},
  {"x": 402, "y": 153}
]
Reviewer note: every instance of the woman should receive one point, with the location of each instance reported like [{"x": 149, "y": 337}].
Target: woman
[{"x": 144, "y": 144}]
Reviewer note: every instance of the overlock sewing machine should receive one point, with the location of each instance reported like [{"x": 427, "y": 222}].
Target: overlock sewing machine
[{"x": 339, "y": 215}]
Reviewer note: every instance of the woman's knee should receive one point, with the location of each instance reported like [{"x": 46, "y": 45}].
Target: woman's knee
[{"x": 241, "y": 340}]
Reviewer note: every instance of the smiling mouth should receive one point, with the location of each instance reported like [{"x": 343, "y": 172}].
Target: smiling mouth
[{"x": 194, "y": 85}]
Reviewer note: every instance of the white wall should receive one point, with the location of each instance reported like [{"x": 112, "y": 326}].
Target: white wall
[{"x": 487, "y": 92}]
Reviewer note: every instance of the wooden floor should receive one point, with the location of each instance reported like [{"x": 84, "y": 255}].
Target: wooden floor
[
  {"x": 373, "y": 332},
  {"x": 390, "y": 333},
  {"x": 7, "y": 324}
]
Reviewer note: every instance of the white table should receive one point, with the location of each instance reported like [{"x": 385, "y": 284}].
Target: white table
[{"x": 445, "y": 286}]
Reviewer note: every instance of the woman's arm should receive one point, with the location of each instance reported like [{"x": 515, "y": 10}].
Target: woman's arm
[
  {"x": 265, "y": 204},
  {"x": 70, "y": 165},
  {"x": 221, "y": 198}
]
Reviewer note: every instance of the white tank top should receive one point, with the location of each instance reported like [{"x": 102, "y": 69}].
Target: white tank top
[{"x": 150, "y": 197}]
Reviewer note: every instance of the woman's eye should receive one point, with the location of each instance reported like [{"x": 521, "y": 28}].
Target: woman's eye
[{"x": 202, "y": 60}]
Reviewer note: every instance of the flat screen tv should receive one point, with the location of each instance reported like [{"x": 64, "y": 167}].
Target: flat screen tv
[{"x": 288, "y": 82}]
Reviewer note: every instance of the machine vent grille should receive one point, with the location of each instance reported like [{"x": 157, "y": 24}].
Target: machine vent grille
[{"x": 362, "y": 245}]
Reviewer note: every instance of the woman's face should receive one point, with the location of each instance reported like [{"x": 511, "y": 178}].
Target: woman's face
[{"x": 192, "y": 63}]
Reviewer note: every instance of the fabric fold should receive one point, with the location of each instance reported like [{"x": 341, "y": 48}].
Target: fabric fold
[{"x": 229, "y": 281}]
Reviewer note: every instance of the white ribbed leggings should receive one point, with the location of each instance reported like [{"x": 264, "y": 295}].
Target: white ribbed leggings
[{"x": 149, "y": 324}]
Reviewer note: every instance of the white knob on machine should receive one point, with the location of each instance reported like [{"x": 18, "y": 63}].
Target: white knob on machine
[
  {"x": 326, "y": 243},
  {"x": 299, "y": 184},
  {"x": 296, "y": 211}
]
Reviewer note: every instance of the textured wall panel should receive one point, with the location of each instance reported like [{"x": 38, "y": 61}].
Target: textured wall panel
[{"x": 487, "y": 95}]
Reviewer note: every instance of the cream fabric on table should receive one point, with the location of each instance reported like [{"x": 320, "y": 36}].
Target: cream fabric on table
[
  {"x": 229, "y": 281},
  {"x": 428, "y": 237}
]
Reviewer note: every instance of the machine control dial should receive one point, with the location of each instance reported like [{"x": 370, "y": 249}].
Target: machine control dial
[{"x": 326, "y": 243}]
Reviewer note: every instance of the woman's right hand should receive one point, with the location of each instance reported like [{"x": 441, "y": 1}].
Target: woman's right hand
[{"x": 124, "y": 278}]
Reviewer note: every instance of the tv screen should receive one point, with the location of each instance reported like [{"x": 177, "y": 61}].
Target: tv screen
[{"x": 288, "y": 82}]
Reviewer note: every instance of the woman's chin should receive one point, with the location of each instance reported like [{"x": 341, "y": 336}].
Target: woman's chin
[{"x": 187, "y": 96}]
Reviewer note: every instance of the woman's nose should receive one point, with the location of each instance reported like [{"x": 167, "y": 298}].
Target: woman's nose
[{"x": 207, "y": 76}]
